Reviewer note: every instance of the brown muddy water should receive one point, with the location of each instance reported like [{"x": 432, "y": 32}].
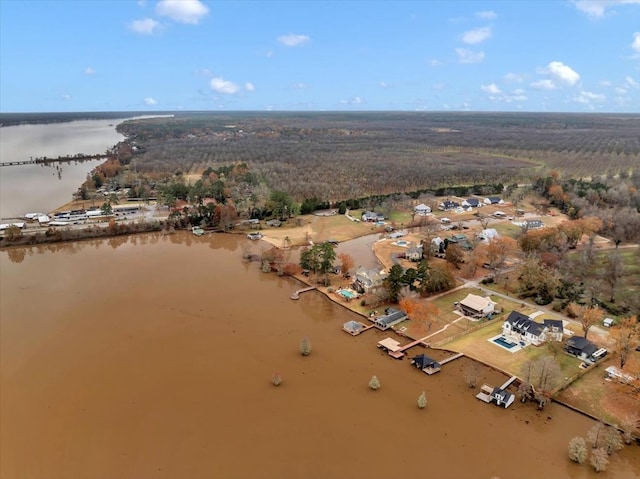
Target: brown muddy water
[{"x": 151, "y": 357}]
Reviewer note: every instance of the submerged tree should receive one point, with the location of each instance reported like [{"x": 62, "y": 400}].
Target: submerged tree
[
  {"x": 599, "y": 460},
  {"x": 578, "y": 450},
  {"x": 422, "y": 400},
  {"x": 374, "y": 383},
  {"x": 596, "y": 435},
  {"x": 305, "y": 346},
  {"x": 276, "y": 379},
  {"x": 612, "y": 440}
]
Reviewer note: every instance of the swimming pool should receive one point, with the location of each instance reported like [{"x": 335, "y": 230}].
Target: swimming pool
[
  {"x": 347, "y": 294},
  {"x": 504, "y": 343},
  {"x": 402, "y": 243}
]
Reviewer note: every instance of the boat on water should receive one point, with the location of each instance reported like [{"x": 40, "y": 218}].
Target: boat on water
[{"x": 196, "y": 230}]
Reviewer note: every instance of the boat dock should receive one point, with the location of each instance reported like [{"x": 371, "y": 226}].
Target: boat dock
[
  {"x": 451, "y": 358},
  {"x": 297, "y": 294},
  {"x": 485, "y": 393},
  {"x": 508, "y": 382},
  {"x": 399, "y": 353}
]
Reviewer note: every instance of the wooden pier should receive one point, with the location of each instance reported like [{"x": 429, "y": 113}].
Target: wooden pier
[
  {"x": 485, "y": 393},
  {"x": 451, "y": 358},
  {"x": 297, "y": 294},
  {"x": 508, "y": 382},
  {"x": 399, "y": 353},
  {"x": 47, "y": 161}
]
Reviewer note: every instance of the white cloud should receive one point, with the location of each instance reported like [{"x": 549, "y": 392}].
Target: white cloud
[
  {"x": 434, "y": 62},
  {"x": 150, "y": 101},
  {"x": 249, "y": 86},
  {"x": 620, "y": 91},
  {"x": 487, "y": 15},
  {"x": 293, "y": 40},
  {"x": 561, "y": 72},
  {"x": 356, "y": 100},
  {"x": 220, "y": 85},
  {"x": 544, "y": 85},
  {"x": 66, "y": 97},
  {"x": 182, "y": 11},
  {"x": 606, "y": 83},
  {"x": 587, "y": 97},
  {"x": 299, "y": 86},
  {"x": 89, "y": 71},
  {"x": 439, "y": 86},
  {"x": 514, "y": 78},
  {"x": 146, "y": 26},
  {"x": 204, "y": 72},
  {"x": 491, "y": 88},
  {"x": 631, "y": 82},
  {"x": 269, "y": 54},
  {"x": 469, "y": 56},
  {"x": 476, "y": 36},
  {"x": 636, "y": 42},
  {"x": 598, "y": 8},
  {"x": 384, "y": 84}
]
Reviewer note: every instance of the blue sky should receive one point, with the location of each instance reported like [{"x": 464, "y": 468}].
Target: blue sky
[{"x": 92, "y": 55}]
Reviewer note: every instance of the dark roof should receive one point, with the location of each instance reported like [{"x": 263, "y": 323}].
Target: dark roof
[
  {"x": 497, "y": 391},
  {"x": 581, "y": 345},
  {"x": 392, "y": 316},
  {"x": 524, "y": 324},
  {"x": 494, "y": 199},
  {"x": 554, "y": 323},
  {"x": 473, "y": 201},
  {"x": 422, "y": 361}
]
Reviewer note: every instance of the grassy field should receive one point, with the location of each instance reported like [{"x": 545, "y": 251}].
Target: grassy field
[
  {"x": 603, "y": 398},
  {"x": 477, "y": 345}
]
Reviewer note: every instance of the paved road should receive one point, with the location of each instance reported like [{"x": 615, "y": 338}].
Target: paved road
[{"x": 596, "y": 330}]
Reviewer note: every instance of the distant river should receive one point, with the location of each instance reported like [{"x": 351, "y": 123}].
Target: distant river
[{"x": 32, "y": 188}]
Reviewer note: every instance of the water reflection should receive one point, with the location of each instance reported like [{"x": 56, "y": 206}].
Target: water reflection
[{"x": 22, "y": 142}]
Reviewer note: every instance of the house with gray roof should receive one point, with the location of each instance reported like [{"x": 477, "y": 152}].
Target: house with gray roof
[
  {"x": 392, "y": 317},
  {"x": 368, "y": 280},
  {"x": 580, "y": 347}
]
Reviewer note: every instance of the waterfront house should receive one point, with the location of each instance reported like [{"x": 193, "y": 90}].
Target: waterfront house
[
  {"x": 580, "y": 347},
  {"x": 476, "y": 306},
  {"x": 502, "y": 398},
  {"x": 426, "y": 364},
  {"x": 520, "y": 327},
  {"x": 353, "y": 327},
  {"x": 368, "y": 280},
  {"x": 392, "y": 317}
]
